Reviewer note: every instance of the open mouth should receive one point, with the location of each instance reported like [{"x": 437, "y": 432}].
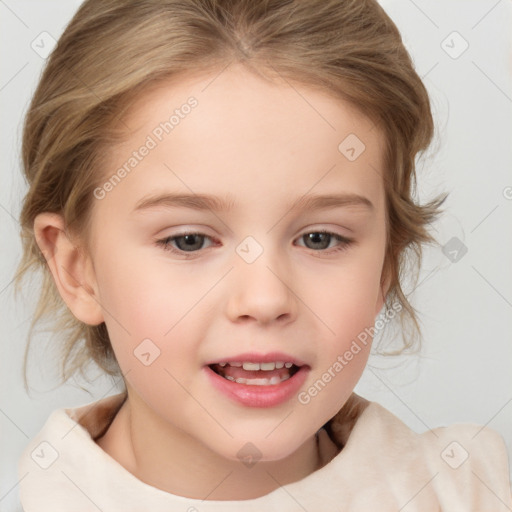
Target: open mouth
[{"x": 256, "y": 374}]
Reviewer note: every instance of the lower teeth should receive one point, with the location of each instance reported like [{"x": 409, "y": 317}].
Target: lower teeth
[{"x": 258, "y": 382}]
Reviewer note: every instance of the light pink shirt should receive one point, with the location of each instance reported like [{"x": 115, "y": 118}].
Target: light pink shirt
[{"x": 383, "y": 466}]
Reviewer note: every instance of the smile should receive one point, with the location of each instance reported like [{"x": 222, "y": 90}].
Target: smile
[
  {"x": 256, "y": 374},
  {"x": 258, "y": 380}
]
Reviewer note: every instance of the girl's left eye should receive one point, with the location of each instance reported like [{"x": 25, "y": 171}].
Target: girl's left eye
[
  {"x": 324, "y": 239},
  {"x": 192, "y": 242}
]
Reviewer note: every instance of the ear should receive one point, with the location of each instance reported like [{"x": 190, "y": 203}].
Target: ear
[{"x": 71, "y": 268}]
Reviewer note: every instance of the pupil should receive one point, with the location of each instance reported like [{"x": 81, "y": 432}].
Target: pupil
[
  {"x": 190, "y": 242},
  {"x": 314, "y": 237}
]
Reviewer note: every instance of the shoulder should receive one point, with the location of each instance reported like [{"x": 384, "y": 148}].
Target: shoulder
[
  {"x": 461, "y": 467},
  {"x": 63, "y": 452},
  {"x": 470, "y": 459}
]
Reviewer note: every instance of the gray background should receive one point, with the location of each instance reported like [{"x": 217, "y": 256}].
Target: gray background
[{"x": 464, "y": 371}]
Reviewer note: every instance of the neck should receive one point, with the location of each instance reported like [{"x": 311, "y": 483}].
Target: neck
[{"x": 169, "y": 459}]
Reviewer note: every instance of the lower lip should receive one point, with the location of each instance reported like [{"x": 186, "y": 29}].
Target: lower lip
[{"x": 259, "y": 396}]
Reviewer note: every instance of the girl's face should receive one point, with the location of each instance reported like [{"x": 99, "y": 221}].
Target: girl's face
[{"x": 253, "y": 172}]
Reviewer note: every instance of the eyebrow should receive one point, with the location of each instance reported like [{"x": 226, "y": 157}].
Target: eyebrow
[{"x": 218, "y": 204}]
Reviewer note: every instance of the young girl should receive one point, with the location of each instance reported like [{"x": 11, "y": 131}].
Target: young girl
[{"x": 221, "y": 198}]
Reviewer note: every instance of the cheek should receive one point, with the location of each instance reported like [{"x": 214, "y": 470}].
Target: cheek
[
  {"x": 343, "y": 353},
  {"x": 346, "y": 300},
  {"x": 154, "y": 328},
  {"x": 147, "y": 296},
  {"x": 346, "y": 304},
  {"x": 152, "y": 314}
]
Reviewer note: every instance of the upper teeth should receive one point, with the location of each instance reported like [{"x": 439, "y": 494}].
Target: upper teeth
[{"x": 259, "y": 366}]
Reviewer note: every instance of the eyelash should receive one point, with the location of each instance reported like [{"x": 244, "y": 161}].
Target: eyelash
[{"x": 165, "y": 243}]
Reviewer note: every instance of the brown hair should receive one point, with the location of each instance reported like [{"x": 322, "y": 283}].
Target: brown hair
[{"x": 114, "y": 49}]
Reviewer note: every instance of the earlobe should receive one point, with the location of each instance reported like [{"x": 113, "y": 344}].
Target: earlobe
[{"x": 71, "y": 268}]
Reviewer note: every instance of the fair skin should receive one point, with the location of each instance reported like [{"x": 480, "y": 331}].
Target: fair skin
[{"x": 267, "y": 147}]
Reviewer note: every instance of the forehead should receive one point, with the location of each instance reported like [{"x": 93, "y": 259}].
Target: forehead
[
  {"x": 236, "y": 95},
  {"x": 280, "y": 136}
]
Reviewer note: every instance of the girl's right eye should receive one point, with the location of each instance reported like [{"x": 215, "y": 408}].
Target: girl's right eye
[{"x": 185, "y": 242}]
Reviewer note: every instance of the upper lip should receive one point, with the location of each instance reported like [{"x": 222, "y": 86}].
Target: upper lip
[{"x": 253, "y": 357}]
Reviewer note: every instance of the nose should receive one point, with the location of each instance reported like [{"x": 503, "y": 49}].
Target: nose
[{"x": 261, "y": 292}]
